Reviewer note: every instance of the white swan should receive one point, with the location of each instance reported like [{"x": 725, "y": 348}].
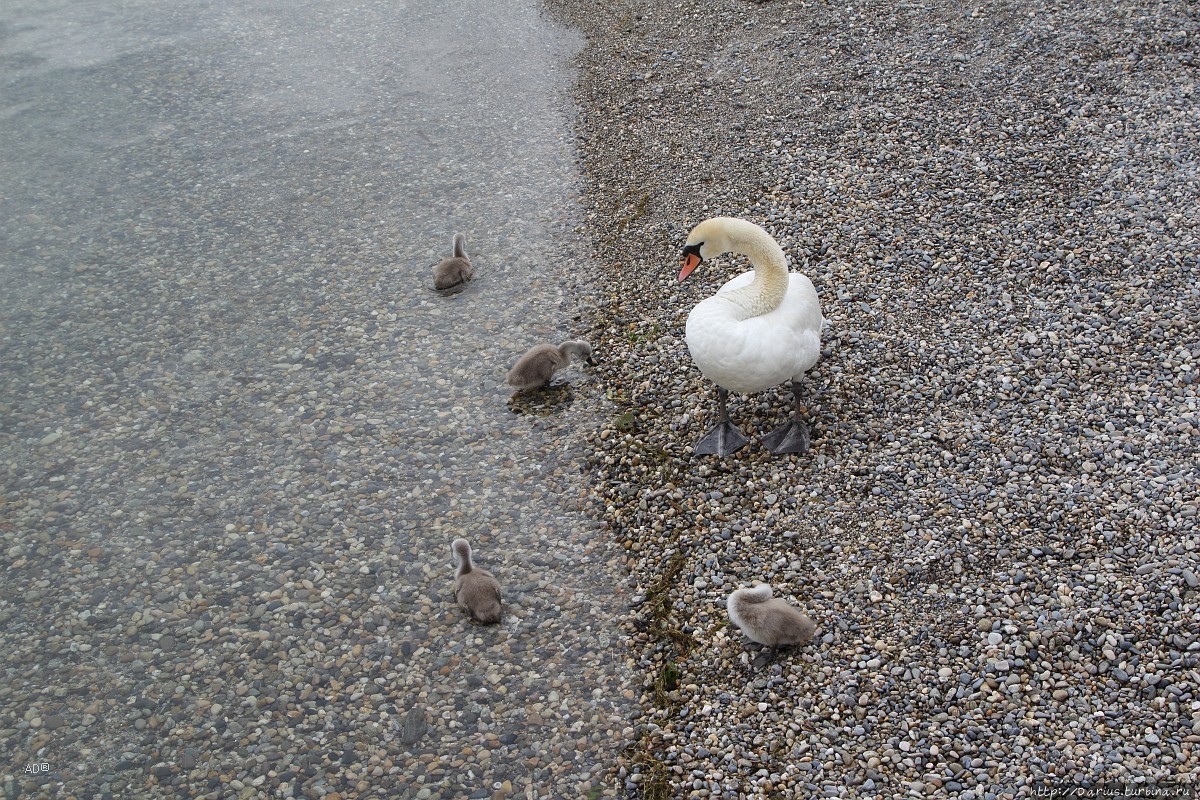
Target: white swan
[{"x": 759, "y": 329}]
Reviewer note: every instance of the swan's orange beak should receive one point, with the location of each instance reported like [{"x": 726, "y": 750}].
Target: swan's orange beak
[{"x": 691, "y": 260}]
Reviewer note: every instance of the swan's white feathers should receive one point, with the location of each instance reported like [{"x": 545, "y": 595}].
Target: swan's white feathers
[{"x": 756, "y": 353}]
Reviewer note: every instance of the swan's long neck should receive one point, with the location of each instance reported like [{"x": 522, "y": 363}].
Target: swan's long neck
[
  {"x": 573, "y": 348},
  {"x": 759, "y": 594},
  {"x": 460, "y": 246},
  {"x": 463, "y": 551},
  {"x": 770, "y": 284}
]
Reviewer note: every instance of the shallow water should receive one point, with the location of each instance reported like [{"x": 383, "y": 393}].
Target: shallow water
[{"x": 233, "y": 406}]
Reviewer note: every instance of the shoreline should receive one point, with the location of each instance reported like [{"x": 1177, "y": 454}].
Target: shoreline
[{"x": 997, "y": 207}]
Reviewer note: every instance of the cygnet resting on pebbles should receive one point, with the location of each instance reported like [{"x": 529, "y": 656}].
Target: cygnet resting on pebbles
[
  {"x": 541, "y": 361},
  {"x": 474, "y": 588},
  {"x": 456, "y": 269},
  {"x": 768, "y": 620}
]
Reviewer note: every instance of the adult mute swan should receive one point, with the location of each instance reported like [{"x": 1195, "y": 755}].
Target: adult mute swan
[
  {"x": 456, "y": 269},
  {"x": 759, "y": 329},
  {"x": 475, "y": 589},
  {"x": 541, "y": 361}
]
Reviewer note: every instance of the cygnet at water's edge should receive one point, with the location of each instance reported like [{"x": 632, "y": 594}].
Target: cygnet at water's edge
[
  {"x": 475, "y": 589},
  {"x": 456, "y": 269},
  {"x": 768, "y": 620},
  {"x": 541, "y": 361}
]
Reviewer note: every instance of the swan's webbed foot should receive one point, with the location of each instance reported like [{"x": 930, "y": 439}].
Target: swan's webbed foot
[
  {"x": 766, "y": 656},
  {"x": 791, "y": 437},
  {"x": 723, "y": 440},
  {"x": 540, "y": 400}
]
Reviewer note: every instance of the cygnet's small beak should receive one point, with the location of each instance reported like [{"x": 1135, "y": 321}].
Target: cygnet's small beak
[
  {"x": 591, "y": 362},
  {"x": 691, "y": 260}
]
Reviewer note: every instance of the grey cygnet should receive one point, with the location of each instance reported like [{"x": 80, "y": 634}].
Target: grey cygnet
[
  {"x": 541, "y": 361},
  {"x": 768, "y": 620},
  {"x": 475, "y": 589},
  {"x": 456, "y": 269}
]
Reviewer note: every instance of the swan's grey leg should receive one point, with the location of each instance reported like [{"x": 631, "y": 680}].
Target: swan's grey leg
[
  {"x": 725, "y": 439},
  {"x": 765, "y": 656},
  {"x": 792, "y": 437}
]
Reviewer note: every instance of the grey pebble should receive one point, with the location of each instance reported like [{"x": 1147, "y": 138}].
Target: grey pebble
[{"x": 413, "y": 726}]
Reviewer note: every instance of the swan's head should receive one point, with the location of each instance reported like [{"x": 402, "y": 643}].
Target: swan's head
[
  {"x": 579, "y": 350},
  {"x": 710, "y": 239},
  {"x": 759, "y": 593},
  {"x": 460, "y": 552}
]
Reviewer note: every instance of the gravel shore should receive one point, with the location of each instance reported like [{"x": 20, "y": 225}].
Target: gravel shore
[{"x": 996, "y": 527}]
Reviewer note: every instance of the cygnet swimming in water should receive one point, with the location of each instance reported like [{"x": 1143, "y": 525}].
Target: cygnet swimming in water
[
  {"x": 456, "y": 269},
  {"x": 541, "y": 361},
  {"x": 768, "y": 620},
  {"x": 475, "y": 589}
]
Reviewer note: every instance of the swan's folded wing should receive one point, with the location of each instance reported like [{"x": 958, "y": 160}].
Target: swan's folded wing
[
  {"x": 801, "y": 303},
  {"x": 749, "y": 355}
]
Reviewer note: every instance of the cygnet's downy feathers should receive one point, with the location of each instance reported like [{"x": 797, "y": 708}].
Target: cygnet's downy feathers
[
  {"x": 456, "y": 269},
  {"x": 475, "y": 589},
  {"x": 541, "y": 361},
  {"x": 768, "y": 620}
]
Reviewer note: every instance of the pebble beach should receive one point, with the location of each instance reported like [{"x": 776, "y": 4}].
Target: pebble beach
[
  {"x": 996, "y": 526},
  {"x": 226, "y": 542}
]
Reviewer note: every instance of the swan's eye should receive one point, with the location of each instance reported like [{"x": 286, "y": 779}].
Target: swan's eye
[{"x": 691, "y": 259}]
